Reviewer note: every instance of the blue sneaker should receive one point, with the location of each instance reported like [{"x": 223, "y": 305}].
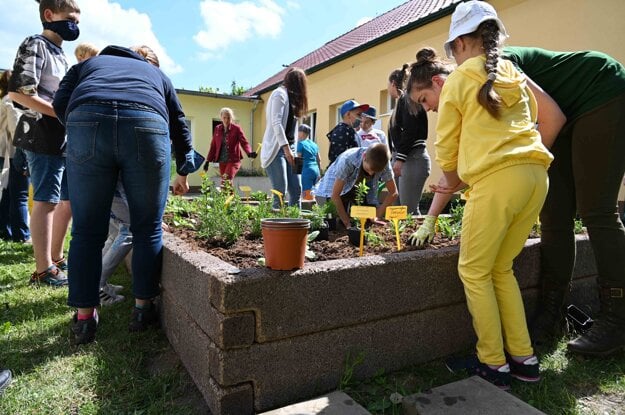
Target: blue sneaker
[
  {"x": 51, "y": 276},
  {"x": 526, "y": 371},
  {"x": 61, "y": 264},
  {"x": 499, "y": 377}
]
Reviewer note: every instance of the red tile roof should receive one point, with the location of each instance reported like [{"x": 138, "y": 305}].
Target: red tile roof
[{"x": 401, "y": 19}]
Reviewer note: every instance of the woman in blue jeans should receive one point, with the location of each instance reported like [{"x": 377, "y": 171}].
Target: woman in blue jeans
[
  {"x": 120, "y": 113},
  {"x": 14, "y": 199},
  {"x": 277, "y": 156}
]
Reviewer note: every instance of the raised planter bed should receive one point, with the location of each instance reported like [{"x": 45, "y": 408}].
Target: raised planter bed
[{"x": 258, "y": 339}]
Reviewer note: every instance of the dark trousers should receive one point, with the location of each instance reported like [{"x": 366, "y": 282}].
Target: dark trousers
[
  {"x": 14, "y": 204},
  {"x": 585, "y": 178}
]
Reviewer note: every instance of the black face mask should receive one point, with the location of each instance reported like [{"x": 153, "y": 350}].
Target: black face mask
[{"x": 67, "y": 29}]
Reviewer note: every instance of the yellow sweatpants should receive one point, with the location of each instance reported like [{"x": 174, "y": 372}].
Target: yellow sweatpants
[{"x": 498, "y": 217}]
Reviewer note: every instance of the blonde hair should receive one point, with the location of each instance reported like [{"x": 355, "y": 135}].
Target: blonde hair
[
  {"x": 147, "y": 53},
  {"x": 85, "y": 51},
  {"x": 228, "y": 111}
]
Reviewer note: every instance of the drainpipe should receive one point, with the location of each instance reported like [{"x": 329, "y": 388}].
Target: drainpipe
[{"x": 256, "y": 101}]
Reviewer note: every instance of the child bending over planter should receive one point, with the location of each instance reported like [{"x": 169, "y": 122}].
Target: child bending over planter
[
  {"x": 350, "y": 168},
  {"x": 486, "y": 138}
]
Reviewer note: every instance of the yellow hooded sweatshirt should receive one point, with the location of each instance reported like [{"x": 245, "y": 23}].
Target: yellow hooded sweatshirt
[{"x": 475, "y": 143}]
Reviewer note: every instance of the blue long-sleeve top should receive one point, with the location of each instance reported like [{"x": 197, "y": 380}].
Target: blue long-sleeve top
[{"x": 119, "y": 74}]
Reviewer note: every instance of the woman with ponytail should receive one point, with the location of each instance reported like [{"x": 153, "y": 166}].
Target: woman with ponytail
[
  {"x": 486, "y": 138},
  {"x": 408, "y": 132}
]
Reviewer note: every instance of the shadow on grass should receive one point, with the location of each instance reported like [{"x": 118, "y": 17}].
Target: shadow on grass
[{"x": 15, "y": 253}]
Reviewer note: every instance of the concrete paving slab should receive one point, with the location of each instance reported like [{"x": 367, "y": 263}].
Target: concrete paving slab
[
  {"x": 335, "y": 403},
  {"x": 472, "y": 396}
]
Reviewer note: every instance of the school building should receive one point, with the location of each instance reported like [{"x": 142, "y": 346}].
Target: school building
[{"x": 356, "y": 64}]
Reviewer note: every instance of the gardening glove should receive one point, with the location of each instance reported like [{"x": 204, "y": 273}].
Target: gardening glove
[
  {"x": 425, "y": 233},
  {"x": 252, "y": 155},
  {"x": 205, "y": 166},
  {"x": 192, "y": 162}
]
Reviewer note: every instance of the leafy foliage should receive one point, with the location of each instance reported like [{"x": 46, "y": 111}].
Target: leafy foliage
[
  {"x": 451, "y": 226},
  {"x": 361, "y": 192}
]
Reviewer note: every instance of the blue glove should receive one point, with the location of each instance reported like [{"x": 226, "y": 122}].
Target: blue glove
[{"x": 193, "y": 162}]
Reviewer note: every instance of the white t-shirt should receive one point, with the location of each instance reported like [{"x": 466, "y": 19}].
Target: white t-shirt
[{"x": 365, "y": 139}]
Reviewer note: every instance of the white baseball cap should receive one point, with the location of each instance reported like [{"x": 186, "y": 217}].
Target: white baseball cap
[{"x": 466, "y": 19}]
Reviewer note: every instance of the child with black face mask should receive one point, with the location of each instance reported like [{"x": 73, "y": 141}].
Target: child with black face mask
[
  {"x": 39, "y": 66},
  {"x": 343, "y": 136}
]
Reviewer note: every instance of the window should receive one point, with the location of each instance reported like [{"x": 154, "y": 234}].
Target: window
[
  {"x": 387, "y": 101},
  {"x": 311, "y": 120}
]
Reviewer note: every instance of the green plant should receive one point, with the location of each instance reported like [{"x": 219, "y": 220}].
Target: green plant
[
  {"x": 222, "y": 216},
  {"x": 374, "y": 239},
  {"x": 309, "y": 254},
  {"x": 329, "y": 209},
  {"x": 251, "y": 172},
  {"x": 316, "y": 217},
  {"x": 259, "y": 196},
  {"x": 451, "y": 226},
  {"x": 181, "y": 211},
  {"x": 578, "y": 226},
  {"x": 361, "y": 193},
  {"x": 351, "y": 363}
]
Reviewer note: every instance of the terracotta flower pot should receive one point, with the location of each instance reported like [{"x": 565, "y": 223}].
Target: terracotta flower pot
[{"x": 284, "y": 240}]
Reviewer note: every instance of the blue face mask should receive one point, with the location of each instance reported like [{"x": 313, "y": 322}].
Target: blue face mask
[{"x": 67, "y": 29}]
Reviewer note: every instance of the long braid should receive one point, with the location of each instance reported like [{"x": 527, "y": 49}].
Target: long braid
[{"x": 487, "y": 96}]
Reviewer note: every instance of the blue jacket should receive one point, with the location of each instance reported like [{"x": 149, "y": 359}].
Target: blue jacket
[{"x": 119, "y": 74}]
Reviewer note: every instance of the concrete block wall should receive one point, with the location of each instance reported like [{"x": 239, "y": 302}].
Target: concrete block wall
[{"x": 260, "y": 339}]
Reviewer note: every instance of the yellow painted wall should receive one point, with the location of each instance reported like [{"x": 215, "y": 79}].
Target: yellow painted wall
[
  {"x": 201, "y": 110},
  {"x": 552, "y": 24}
]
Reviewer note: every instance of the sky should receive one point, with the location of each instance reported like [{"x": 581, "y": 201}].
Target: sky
[{"x": 207, "y": 43}]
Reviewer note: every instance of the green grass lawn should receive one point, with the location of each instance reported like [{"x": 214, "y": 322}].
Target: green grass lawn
[
  {"x": 138, "y": 373},
  {"x": 120, "y": 373}
]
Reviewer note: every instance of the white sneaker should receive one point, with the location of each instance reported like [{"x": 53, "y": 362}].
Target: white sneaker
[
  {"x": 109, "y": 297},
  {"x": 112, "y": 288}
]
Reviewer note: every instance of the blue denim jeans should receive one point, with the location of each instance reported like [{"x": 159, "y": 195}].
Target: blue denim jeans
[
  {"x": 119, "y": 241},
  {"x": 107, "y": 141},
  {"x": 283, "y": 178},
  {"x": 14, "y": 205},
  {"x": 48, "y": 177}
]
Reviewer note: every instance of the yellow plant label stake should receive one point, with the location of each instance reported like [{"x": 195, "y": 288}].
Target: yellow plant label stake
[
  {"x": 246, "y": 190},
  {"x": 395, "y": 213},
  {"x": 362, "y": 213}
]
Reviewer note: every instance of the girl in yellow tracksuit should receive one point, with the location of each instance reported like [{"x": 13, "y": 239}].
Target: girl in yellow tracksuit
[{"x": 486, "y": 140}]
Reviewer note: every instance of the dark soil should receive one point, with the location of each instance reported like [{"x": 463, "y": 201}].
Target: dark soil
[{"x": 246, "y": 252}]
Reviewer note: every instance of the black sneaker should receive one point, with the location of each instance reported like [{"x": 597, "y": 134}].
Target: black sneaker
[
  {"x": 142, "y": 318},
  {"x": 84, "y": 330},
  {"x": 499, "y": 377},
  {"x": 527, "y": 371}
]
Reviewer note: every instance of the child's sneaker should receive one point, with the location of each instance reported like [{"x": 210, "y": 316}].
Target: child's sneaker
[
  {"x": 142, "y": 318},
  {"x": 51, "y": 276},
  {"x": 108, "y": 296},
  {"x": 84, "y": 330},
  {"x": 113, "y": 288},
  {"x": 499, "y": 377},
  {"x": 61, "y": 264},
  {"x": 527, "y": 370}
]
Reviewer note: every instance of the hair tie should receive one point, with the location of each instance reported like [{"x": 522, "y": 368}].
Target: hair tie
[{"x": 492, "y": 76}]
